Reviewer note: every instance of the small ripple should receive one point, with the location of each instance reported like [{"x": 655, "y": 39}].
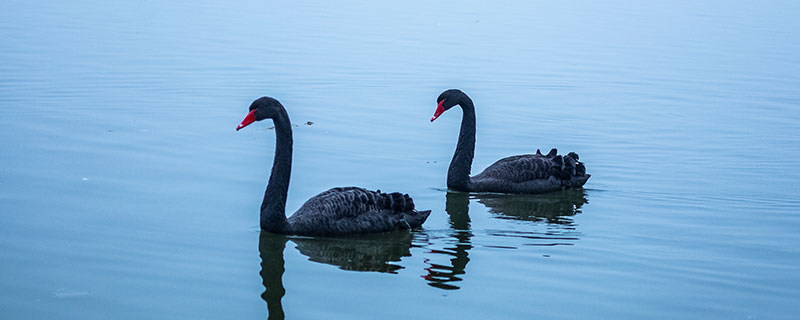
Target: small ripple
[
  {"x": 532, "y": 235},
  {"x": 500, "y": 247}
]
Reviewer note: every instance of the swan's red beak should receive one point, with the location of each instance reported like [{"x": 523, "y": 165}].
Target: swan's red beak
[
  {"x": 250, "y": 118},
  {"x": 439, "y": 111}
]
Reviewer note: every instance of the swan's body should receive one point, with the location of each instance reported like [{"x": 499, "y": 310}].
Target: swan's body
[
  {"x": 355, "y": 210},
  {"x": 530, "y": 173},
  {"x": 345, "y": 210}
]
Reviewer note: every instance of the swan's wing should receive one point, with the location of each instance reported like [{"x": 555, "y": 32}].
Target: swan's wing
[
  {"x": 346, "y": 202},
  {"x": 530, "y": 167},
  {"x": 354, "y": 209},
  {"x": 518, "y": 169}
]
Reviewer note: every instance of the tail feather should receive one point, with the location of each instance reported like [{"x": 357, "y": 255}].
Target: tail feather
[
  {"x": 580, "y": 169},
  {"x": 573, "y": 155},
  {"x": 403, "y": 204},
  {"x": 567, "y": 167},
  {"x": 396, "y": 201},
  {"x": 415, "y": 219}
]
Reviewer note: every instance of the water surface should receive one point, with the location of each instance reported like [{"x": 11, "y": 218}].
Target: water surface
[{"x": 126, "y": 193}]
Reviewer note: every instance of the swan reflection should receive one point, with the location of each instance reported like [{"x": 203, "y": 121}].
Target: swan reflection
[
  {"x": 440, "y": 275},
  {"x": 270, "y": 248},
  {"x": 370, "y": 252},
  {"x": 555, "y": 209},
  {"x": 383, "y": 252}
]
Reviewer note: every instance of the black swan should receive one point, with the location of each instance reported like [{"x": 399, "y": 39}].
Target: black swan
[
  {"x": 529, "y": 173},
  {"x": 344, "y": 210}
]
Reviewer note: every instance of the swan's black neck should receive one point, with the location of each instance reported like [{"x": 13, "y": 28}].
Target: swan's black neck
[
  {"x": 458, "y": 174},
  {"x": 273, "y": 208}
]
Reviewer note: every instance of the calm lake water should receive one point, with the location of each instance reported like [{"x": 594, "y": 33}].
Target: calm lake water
[{"x": 126, "y": 193}]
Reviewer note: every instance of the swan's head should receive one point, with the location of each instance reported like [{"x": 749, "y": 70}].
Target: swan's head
[
  {"x": 262, "y": 108},
  {"x": 448, "y": 99}
]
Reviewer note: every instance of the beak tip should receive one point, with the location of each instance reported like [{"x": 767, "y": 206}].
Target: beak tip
[{"x": 250, "y": 118}]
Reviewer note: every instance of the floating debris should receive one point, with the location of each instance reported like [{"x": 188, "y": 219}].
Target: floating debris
[
  {"x": 66, "y": 294},
  {"x": 308, "y": 123}
]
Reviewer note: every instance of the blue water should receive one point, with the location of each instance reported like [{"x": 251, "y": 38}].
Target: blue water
[{"x": 126, "y": 193}]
